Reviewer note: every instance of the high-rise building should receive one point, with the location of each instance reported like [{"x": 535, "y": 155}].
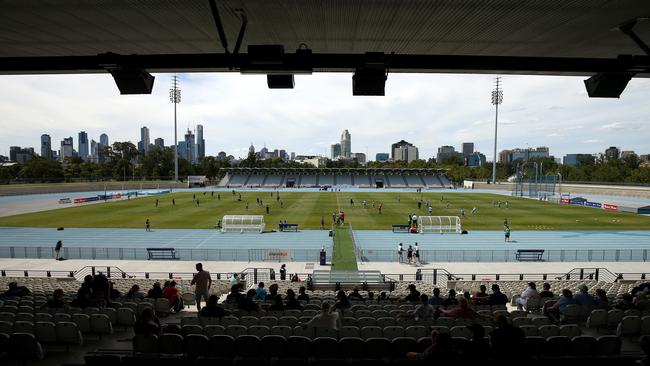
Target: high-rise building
[
  {"x": 509, "y": 156},
  {"x": 612, "y": 153},
  {"x": 346, "y": 144},
  {"x": 143, "y": 145},
  {"x": 103, "y": 139},
  {"x": 504, "y": 156},
  {"x": 293, "y": 155},
  {"x": 626, "y": 153},
  {"x": 20, "y": 155},
  {"x": 159, "y": 143},
  {"x": 360, "y": 158},
  {"x": 468, "y": 148},
  {"x": 94, "y": 151},
  {"x": 475, "y": 159},
  {"x": 83, "y": 145},
  {"x": 188, "y": 149},
  {"x": 67, "y": 148},
  {"x": 404, "y": 151},
  {"x": 382, "y": 157},
  {"x": 577, "y": 159},
  {"x": 200, "y": 143},
  {"x": 448, "y": 152},
  {"x": 251, "y": 149},
  {"x": 46, "y": 146},
  {"x": 335, "y": 151}
]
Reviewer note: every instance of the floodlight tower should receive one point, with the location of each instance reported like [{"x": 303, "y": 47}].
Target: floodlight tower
[
  {"x": 175, "y": 97},
  {"x": 497, "y": 98}
]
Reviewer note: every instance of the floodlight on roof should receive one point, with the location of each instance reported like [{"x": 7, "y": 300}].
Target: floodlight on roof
[
  {"x": 607, "y": 84},
  {"x": 370, "y": 79}
]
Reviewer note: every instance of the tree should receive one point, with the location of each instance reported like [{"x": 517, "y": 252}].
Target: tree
[{"x": 42, "y": 169}]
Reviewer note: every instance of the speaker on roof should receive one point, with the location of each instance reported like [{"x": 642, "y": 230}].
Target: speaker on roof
[
  {"x": 275, "y": 81},
  {"x": 133, "y": 81},
  {"x": 607, "y": 84}
]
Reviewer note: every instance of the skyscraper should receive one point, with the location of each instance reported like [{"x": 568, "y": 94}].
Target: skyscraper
[
  {"x": 103, "y": 139},
  {"x": 346, "y": 144},
  {"x": 335, "y": 150},
  {"x": 403, "y": 150},
  {"x": 200, "y": 143},
  {"x": 159, "y": 143},
  {"x": 189, "y": 153},
  {"x": 67, "y": 148},
  {"x": 46, "y": 146},
  {"x": 94, "y": 151},
  {"x": 468, "y": 148},
  {"x": 83, "y": 145},
  {"x": 143, "y": 145}
]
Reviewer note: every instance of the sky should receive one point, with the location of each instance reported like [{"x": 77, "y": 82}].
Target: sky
[{"x": 428, "y": 110}]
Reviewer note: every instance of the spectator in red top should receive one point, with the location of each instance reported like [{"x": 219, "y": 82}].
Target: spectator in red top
[
  {"x": 171, "y": 293},
  {"x": 462, "y": 311}
]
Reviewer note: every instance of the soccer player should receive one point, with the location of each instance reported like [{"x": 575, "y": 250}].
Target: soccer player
[
  {"x": 474, "y": 210},
  {"x": 506, "y": 231},
  {"x": 462, "y": 212},
  {"x": 322, "y": 222},
  {"x": 430, "y": 210},
  {"x": 147, "y": 225}
]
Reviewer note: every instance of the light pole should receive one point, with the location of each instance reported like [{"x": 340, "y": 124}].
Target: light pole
[
  {"x": 497, "y": 98},
  {"x": 175, "y": 97}
]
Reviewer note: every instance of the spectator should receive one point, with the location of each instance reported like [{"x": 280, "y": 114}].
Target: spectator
[
  {"x": 212, "y": 309},
  {"x": 234, "y": 279},
  {"x": 260, "y": 292},
  {"x": 273, "y": 291},
  {"x": 546, "y": 291},
  {"x": 234, "y": 296},
  {"x": 642, "y": 287},
  {"x": 247, "y": 303},
  {"x": 481, "y": 296},
  {"x": 436, "y": 300},
  {"x": 56, "y": 302},
  {"x": 641, "y": 301},
  {"x": 506, "y": 340},
  {"x": 342, "y": 302},
  {"x": 355, "y": 295},
  {"x": 414, "y": 295},
  {"x": 295, "y": 278},
  {"x": 583, "y": 297},
  {"x": 283, "y": 272},
  {"x": 277, "y": 305},
  {"x": 462, "y": 311},
  {"x": 478, "y": 347},
  {"x": 134, "y": 294},
  {"x": 326, "y": 319},
  {"x": 292, "y": 303},
  {"x": 556, "y": 311},
  {"x": 497, "y": 297},
  {"x": 602, "y": 302},
  {"x": 531, "y": 291},
  {"x": 302, "y": 294},
  {"x": 451, "y": 298},
  {"x": 625, "y": 303},
  {"x": 440, "y": 350},
  {"x": 114, "y": 294},
  {"x": 16, "y": 291},
  {"x": 155, "y": 292},
  {"x": 84, "y": 294},
  {"x": 423, "y": 311},
  {"x": 174, "y": 297},
  {"x": 371, "y": 296},
  {"x": 100, "y": 288},
  {"x": 382, "y": 297},
  {"x": 147, "y": 324},
  {"x": 202, "y": 282}
]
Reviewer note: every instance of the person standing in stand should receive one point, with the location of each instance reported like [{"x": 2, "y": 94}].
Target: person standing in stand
[
  {"x": 409, "y": 254},
  {"x": 283, "y": 272},
  {"x": 57, "y": 250},
  {"x": 400, "y": 253}
]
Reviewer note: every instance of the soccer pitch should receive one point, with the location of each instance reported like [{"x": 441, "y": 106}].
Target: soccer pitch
[{"x": 307, "y": 208}]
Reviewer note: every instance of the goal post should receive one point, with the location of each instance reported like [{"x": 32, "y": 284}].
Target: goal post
[
  {"x": 242, "y": 224},
  {"x": 439, "y": 224}
]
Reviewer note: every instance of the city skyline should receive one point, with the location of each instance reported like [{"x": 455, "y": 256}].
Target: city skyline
[{"x": 428, "y": 110}]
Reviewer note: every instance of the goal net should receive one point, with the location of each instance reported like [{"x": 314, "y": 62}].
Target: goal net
[
  {"x": 242, "y": 223},
  {"x": 439, "y": 224}
]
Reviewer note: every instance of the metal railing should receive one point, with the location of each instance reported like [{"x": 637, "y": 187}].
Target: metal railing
[
  {"x": 202, "y": 254},
  {"x": 509, "y": 255}
]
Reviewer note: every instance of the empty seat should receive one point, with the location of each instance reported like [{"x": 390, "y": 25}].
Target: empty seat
[
  {"x": 572, "y": 313},
  {"x": 614, "y": 317},
  {"x": 162, "y": 307},
  {"x": 547, "y": 331},
  {"x": 211, "y": 330},
  {"x": 111, "y": 313},
  {"x": 301, "y": 331},
  {"x": 68, "y": 334},
  {"x": 7, "y": 317},
  {"x": 583, "y": 346},
  {"x": 43, "y": 317},
  {"x": 248, "y": 321},
  {"x": 196, "y": 345},
  {"x": 45, "y": 332},
  {"x": 534, "y": 345},
  {"x": 258, "y": 330},
  {"x": 392, "y": 332},
  {"x": 298, "y": 346},
  {"x": 461, "y": 332},
  {"x": 145, "y": 343},
  {"x": 229, "y": 320},
  {"x": 371, "y": 332},
  {"x": 629, "y": 325},
  {"x": 281, "y": 330},
  {"x": 400, "y": 346},
  {"x": 378, "y": 347},
  {"x": 171, "y": 344},
  {"x": 557, "y": 346},
  {"x": 25, "y": 317},
  {"x": 445, "y": 322},
  {"x": 269, "y": 321},
  {"x": 236, "y": 330},
  {"x": 597, "y": 319},
  {"x": 24, "y": 346},
  {"x": 351, "y": 347},
  {"x": 6, "y": 327},
  {"x": 569, "y": 330},
  {"x": 366, "y": 322},
  {"x": 440, "y": 329},
  {"x": 519, "y": 321},
  {"x": 101, "y": 324},
  {"x": 222, "y": 346},
  {"x": 23, "y": 327},
  {"x": 538, "y": 321},
  {"x": 609, "y": 345},
  {"x": 191, "y": 329},
  {"x": 82, "y": 321},
  {"x": 62, "y": 317},
  {"x": 324, "y": 347},
  {"x": 273, "y": 345},
  {"x": 529, "y": 330},
  {"x": 416, "y": 332},
  {"x": 190, "y": 320},
  {"x": 125, "y": 317},
  {"x": 326, "y": 333},
  {"x": 385, "y": 322},
  {"x": 290, "y": 321}
]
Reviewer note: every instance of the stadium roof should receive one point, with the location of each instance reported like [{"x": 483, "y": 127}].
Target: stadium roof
[{"x": 556, "y": 37}]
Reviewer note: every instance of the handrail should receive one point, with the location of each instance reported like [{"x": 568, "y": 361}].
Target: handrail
[{"x": 591, "y": 273}]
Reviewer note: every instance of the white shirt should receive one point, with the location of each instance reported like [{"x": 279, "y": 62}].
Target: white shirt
[
  {"x": 528, "y": 293},
  {"x": 325, "y": 320},
  {"x": 400, "y": 248}
]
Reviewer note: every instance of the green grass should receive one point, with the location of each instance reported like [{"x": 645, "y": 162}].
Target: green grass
[
  {"x": 306, "y": 209},
  {"x": 72, "y": 184},
  {"x": 344, "y": 258}
]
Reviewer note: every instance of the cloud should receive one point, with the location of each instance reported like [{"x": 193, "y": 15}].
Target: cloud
[
  {"x": 613, "y": 126},
  {"x": 592, "y": 141}
]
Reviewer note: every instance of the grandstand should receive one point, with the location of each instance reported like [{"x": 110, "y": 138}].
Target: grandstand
[{"x": 330, "y": 177}]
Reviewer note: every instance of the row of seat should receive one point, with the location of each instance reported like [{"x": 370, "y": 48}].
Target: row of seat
[{"x": 196, "y": 345}]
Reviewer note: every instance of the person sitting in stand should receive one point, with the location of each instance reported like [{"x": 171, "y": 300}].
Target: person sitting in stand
[
  {"x": 295, "y": 278},
  {"x": 56, "y": 302},
  {"x": 546, "y": 291},
  {"x": 147, "y": 324},
  {"x": 436, "y": 300},
  {"x": 277, "y": 305},
  {"x": 481, "y": 296},
  {"x": 507, "y": 340},
  {"x": 497, "y": 297},
  {"x": 382, "y": 297},
  {"x": 414, "y": 294},
  {"x": 212, "y": 309},
  {"x": 355, "y": 295},
  {"x": 260, "y": 292},
  {"x": 342, "y": 302},
  {"x": 602, "y": 302},
  {"x": 234, "y": 296},
  {"x": 327, "y": 318},
  {"x": 155, "y": 292},
  {"x": 423, "y": 311},
  {"x": 462, "y": 311},
  {"x": 134, "y": 295},
  {"x": 451, "y": 298},
  {"x": 174, "y": 297},
  {"x": 247, "y": 303},
  {"x": 556, "y": 311},
  {"x": 583, "y": 297},
  {"x": 302, "y": 295},
  {"x": 273, "y": 291},
  {"x": 84, "y": 294},
  {"x": 113, "y": 293},
  {"x": 292, "y": 302},
  {"x": 530, "y": 292},
  {"x": 371, "y": 296},
  {"x": 626, "y": 302},
  {"x": 440, "y": 350},
  {"x": 16, "y": 291}
]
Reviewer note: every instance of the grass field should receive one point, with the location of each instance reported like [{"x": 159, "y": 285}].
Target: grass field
[
  {"x": 307, "y": 208},
  {"x": 344, "y": 258}
]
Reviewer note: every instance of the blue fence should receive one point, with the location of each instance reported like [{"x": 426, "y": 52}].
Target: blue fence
[
  {"x": 201, "y": 254},
  {"x": 504, "y": 255}
]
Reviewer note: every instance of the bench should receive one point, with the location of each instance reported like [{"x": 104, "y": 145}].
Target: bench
[
  {"x": 162, "y": 253},
  {"x": 529, "y": 254},
  {"x": 401, "y": 228},
  {"x": 288, "y": 227}
]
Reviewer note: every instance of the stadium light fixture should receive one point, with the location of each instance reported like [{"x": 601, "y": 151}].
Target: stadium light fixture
[
  {"x": 175, "y": 97},
  {"x": 370, "y": 79},
  {"x": 497, "y": 98}
]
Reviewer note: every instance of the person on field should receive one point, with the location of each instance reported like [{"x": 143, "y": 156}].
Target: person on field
[
  {"x": 506, "y": 231},
  {"x": 147, "y": 225},
  {"x": 57, "y": 250}
]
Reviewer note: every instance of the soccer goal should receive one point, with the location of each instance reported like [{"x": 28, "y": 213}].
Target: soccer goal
[
  {"x": 439, "y": 224},
  {"x": 242, "y": 224}
]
